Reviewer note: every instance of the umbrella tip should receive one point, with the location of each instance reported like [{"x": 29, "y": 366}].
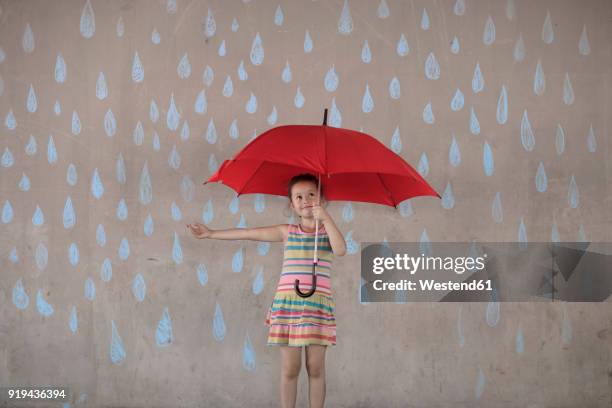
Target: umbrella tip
[{"x": 325, "y": 117}]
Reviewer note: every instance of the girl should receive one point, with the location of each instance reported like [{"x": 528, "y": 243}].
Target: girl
[{"x": 294, "y": 321}]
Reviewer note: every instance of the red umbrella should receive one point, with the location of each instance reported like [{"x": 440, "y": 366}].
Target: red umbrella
[{"x": 352, "y": 166}]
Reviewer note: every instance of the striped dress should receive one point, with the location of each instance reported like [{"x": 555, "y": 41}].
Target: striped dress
[{"x": 292, "y": 319}]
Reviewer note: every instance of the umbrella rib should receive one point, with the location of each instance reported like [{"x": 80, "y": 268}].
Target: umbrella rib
[
  {"x": 386, "y": 189},
  {"x": 252, "y": 177}
]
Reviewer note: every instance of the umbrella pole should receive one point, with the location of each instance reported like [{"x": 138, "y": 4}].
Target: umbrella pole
[{"x": 315, "y": 259}]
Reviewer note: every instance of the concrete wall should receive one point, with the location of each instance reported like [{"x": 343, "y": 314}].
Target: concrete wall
[{"x": 114, "y": 112}]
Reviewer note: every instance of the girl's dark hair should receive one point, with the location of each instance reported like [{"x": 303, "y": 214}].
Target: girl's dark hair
[{"x": 303, "y": 177}]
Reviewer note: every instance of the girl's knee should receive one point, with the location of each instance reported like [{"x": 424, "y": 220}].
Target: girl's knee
[{"x": 291, "y": 370}]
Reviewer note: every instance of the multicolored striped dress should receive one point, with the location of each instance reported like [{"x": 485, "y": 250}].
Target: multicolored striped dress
[{"x": 298, "y": 321}]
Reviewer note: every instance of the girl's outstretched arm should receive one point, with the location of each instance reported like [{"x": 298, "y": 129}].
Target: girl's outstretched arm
[{"x": 274, "y": 233}]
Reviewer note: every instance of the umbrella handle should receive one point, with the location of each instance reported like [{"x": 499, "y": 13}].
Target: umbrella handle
[{"x": 314, "y": 285}]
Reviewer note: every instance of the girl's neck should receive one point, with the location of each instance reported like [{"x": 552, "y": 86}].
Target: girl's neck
[{"x": 307, "y": 225}]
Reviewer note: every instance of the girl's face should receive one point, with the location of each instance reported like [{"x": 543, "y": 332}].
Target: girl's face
[{"x": 303, "y": 196}]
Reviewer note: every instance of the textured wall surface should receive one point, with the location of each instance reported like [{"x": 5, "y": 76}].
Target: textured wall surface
[{"x": 114, "y": 113}]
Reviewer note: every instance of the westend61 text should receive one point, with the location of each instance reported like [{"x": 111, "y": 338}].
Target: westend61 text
[{"x": 430, "y": 284}]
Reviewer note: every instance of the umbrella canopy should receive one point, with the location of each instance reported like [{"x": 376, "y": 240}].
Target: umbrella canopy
[
  {"x": 354, "y": 166},
  {"x": 351, "y": 166}
]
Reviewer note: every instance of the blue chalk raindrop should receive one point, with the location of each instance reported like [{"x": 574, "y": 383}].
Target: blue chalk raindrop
[
  {"x": 502, "y": 106},
  {"x": 201, "y": 104},
  {"x": 69, "y": 215},
  {"x": 51, "y": 151},
  {"x": 403, "y": 48},
  {"x": 97, "y": 189},
  {"x": 106, "y": 272},
  {"x": 120, "y": 28},
  {"x": 474, "y": 123},
  {"x": 248, "y": 354},
  {"x": 210, "y": 26},
  {"x": 560, "y": 140},
  {"x": 218, "y": 324},
  {"x": 459, "y": 7},
  {"x": 351, "y": 245},
  {"x": 145, "y": 187},
  {"x": 76, "y": 123},
  {"x": 73, "y": 323},
  {"x": 383, "y": 9},
  {"x": 60, "y": 69},
  {"x": 448, "y": 199},
  {"x": 177, "y": 252},
  {"x": 541, "y": 181},
  {"x": 394, "y": 88},
  {"x": 331, "y": 80},
  {"x": 568, "y": 91},
  {"x": 173, "y": 117},
  {"x": 258, "y": 282},
  {"x": 208, "y": 213},
  {"x": 73, "y": 254},
  {"x": 308, "y": 45},
  {"x": 90, "y": 289},
  {"x": 24, "y": 183},
  {"x": 155, "y": 37},
  {"x": 117, "y": 353},
  {"x": 548, "y": 34},
  {"x": 366, "y": 54},
  {"x": 488, "y": 36},
  {"x": 7, "y": 158},
  {"x": 573, "y": 197},
  {"x": 367, "y": 103},
  {"x": 209, "y": 75},
  {"x": 100, "y": 235},
  {"x": 335, "y": 117},
  {"x": 454, "y": 155},
  {"x": 591, "y": 141},
  {"x": 122, "y": 210},
  {"x": 41, "y": 256},
  {"x": 7, "y": 212},
  {"x": 260, "y": 203},
  {"x": 347, "y": 212},
  {"x": 137, "y": 69},
  {"x": 527, "y": 137},
  {"x": 174, "y": 159},
  {"x": 139, "y": 287},
  {"x": 21, "y": 300},
  {"x": 44, "y": 308},
  {"x": 423, "y": 166},
  {"x": 27, "y": 40},
  {"x": 487, "y": 159},
  {"x": 235, "y": 25},
  {"x": 480, "y": 384},
  {"x": 31, "y": 103},
  {"x": 273, "y": 117},
  {"x": 477, "y": 79},
  {"x": 405, "y": 208},
  {"x": 345, "y": 23},
  {"x": 455, "y": 47},
  {"x": 211, "y": 132},
  {"x": 396, "y": 141},
  {"x": 539, "y": 80},
  {"x": 263, "y": 248},
  {"x": 101, "y": 87},
  {"x": 88, "y": 21},
  {"x": 432, "y": 68},
  {"x": 38, "y": 218},
  {"x": 228, "y": 87},
  {"x": 185, "y": 132},
  {"x": 238, "y": 260},
  {"x": 184, "y": 67},
  {"x": 202, "y": 274},
  {"x": 286, "y": 74},
  {"x": 110, "y": 124},
  {"x": 251, "y": 105},
  {"x": 278, "y": 16},
  {"x": 163, "y": 334},
  {"x": 519, "y": 49},
  {"x": 257, "y": 50},
  {"x": 299, "y": 98},
  {"x": 457, "y": 101},
  {"x": 425, "y": 20},
  {"x": 175, "y": 211},
  {"x": 148, "y": 225},
  {"x": 153, "y": 111},
  {"x": 124, "y": 249},
  {"x": 583, "y": 45}
]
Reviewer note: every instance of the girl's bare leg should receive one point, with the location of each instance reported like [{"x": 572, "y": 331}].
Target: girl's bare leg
[
  {"x": 290, "y": 370},
  {"x": 315, "y": 365}
]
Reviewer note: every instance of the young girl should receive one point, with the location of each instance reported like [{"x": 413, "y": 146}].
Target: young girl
[{"x": 295, "y": 321}]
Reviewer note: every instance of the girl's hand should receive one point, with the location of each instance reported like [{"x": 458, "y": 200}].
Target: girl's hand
[
  {"x": 319, "y": 213},
  {"x": 200, "y": 231}
]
